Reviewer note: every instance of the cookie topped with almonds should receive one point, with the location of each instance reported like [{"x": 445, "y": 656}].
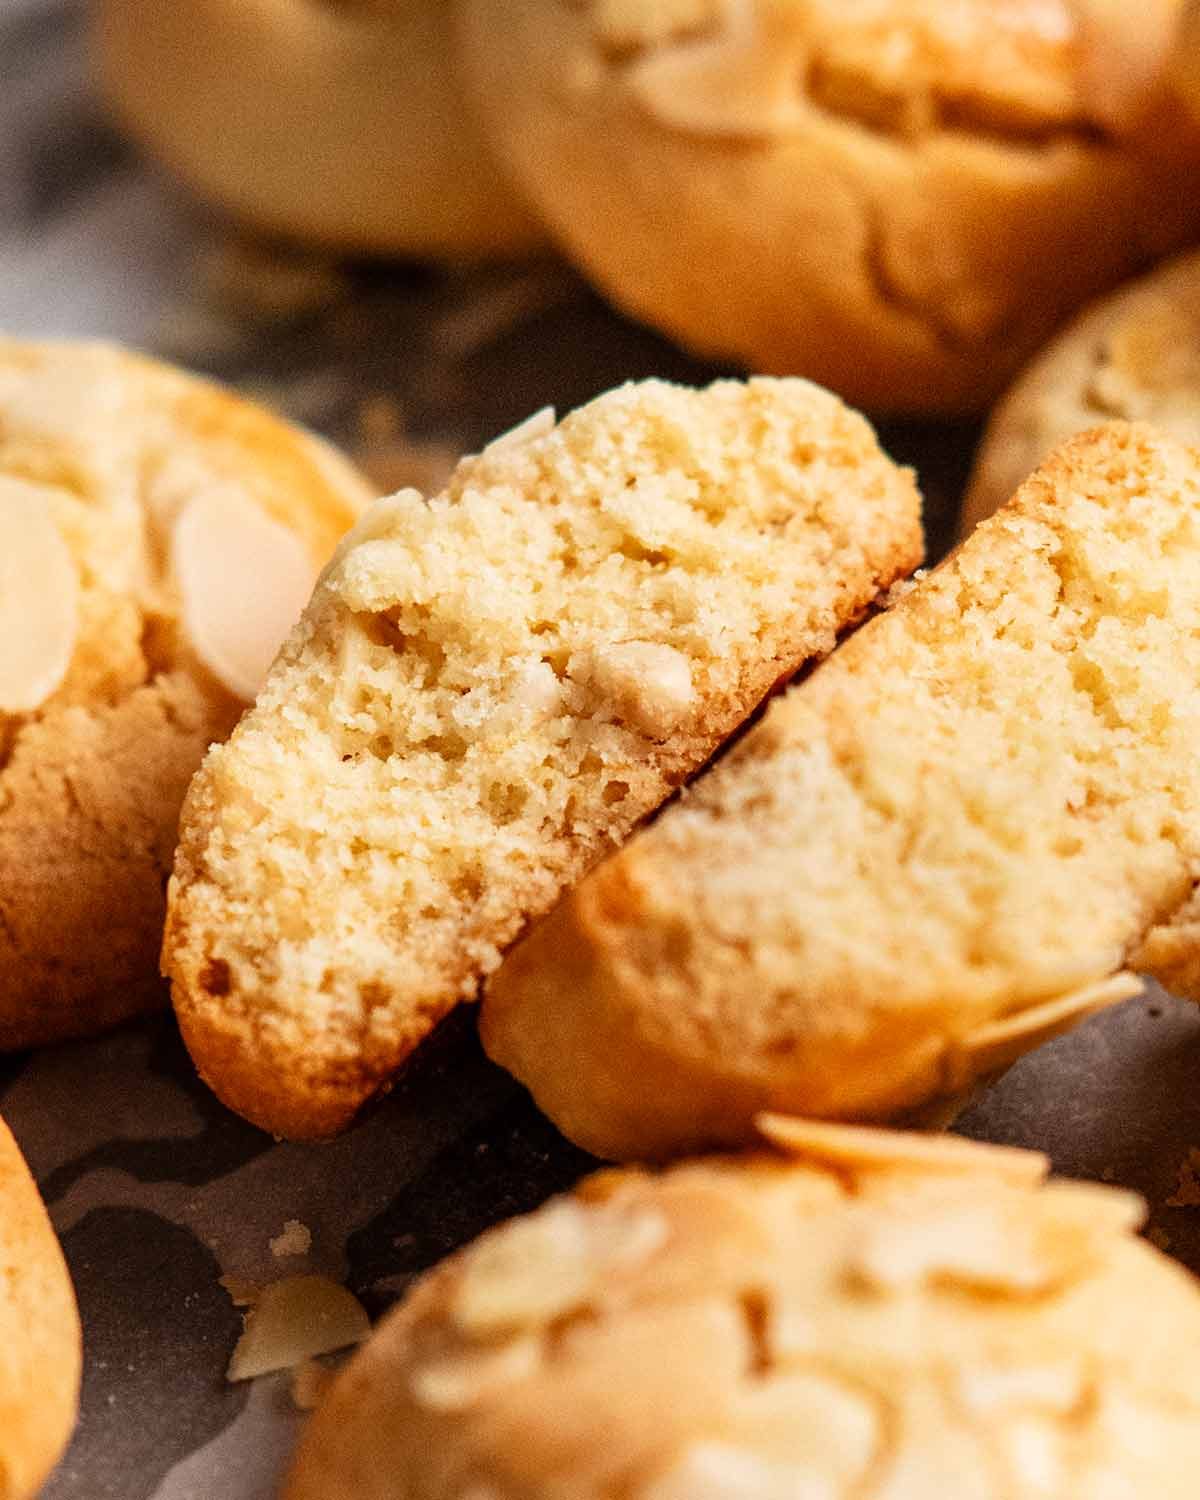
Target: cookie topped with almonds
[
  {"x": 867, "y": 1315},
  {"x": 158, "y": 538}
]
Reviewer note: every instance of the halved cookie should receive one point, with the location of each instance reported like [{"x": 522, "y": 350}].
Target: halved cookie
[
  {"x": 40, "y": 1353},
  {"x": 158, "y": 537},
  {"x": 884, "y": 1320},
  {"x": 486, "y": 693},
  {"x": 942, "y": 847}
]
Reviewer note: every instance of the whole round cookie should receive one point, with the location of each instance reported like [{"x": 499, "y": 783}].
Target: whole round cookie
[
  {"x": 900, "y": 199},
  {"x": 339, "y": 124},
  {"x": 158, "y": 537},
  {"x": 883, "y": 1318},
  {"x": 40, "y": 1353},
  {"x": 1134, "y": 354}
]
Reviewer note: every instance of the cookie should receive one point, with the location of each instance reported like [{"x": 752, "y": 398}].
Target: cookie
[
  {"x": 943, "y": 846},
  {"x": 901, "y": 200},
  {"x": 40, "y": 1352},
  {"x": 486, "y": 694},
  {"x": 883, "y": 1327},
  {"x": 158, "y": 536},
  {"x": 1134, "y": 355},
  {"x": 340, "y": 125}
]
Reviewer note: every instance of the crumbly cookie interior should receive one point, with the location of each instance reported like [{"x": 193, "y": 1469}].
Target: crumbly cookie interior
[{"x": 491, "y": 687}]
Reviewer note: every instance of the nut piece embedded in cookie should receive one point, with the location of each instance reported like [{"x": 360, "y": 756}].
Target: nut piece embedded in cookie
[
  {"x": 884, "y": 1328},
  {"x": 940, "y": 849},
  {"x": 488, "y": 691},
  {"x": 158, "y": 538}
]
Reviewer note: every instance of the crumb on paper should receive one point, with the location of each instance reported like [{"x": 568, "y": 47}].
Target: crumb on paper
[
  {"x": 1187, "y": 1191},
  {"x": 294, "y": 1239},
  {"x": 294, "y": 1320}
]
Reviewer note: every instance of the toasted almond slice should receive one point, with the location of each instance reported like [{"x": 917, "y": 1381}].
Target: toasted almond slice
[
  {"x": 243, "y": 579},
  {"x": 994, "y": 1047},
  {"x": 294, "y": 1320},
  {"x": 868, "y": 1148},
  {"x": 39, "y": 599},
  {"x": 743, "y": 83}
]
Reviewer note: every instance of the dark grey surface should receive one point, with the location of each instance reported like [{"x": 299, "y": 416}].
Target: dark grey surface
[{"x": 156, "y": 1189}]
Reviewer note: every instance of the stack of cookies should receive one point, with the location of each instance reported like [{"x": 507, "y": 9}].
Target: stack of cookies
[{"x": 644, "y": 733}]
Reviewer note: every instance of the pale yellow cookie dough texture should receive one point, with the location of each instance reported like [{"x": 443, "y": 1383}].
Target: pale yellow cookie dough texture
[
  {"x": 340, "y": 124},
  {"x": 40, "y": 1349},
  {"x": 158, "y": 538},
  {"x": 1134, "y": 355},
  {"x": 487, "y": 693},
  {"x": 943, "y": 846},
  {"x": 900, "y": 199},
  {"x": 890, "y": 1328}
]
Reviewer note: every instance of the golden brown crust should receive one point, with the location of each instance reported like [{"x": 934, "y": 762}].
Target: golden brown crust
[
  {"x": 110, "y": 445},
  {"x": 337, "y": 124},
  {"x": 941, "y": 848},
  {"x": 485, "y": 695},
  {"x": 906, "y": 204},
  {"x": 40, "y": 1350},
  {"x": 887, "y": 1328},
  {"x": 1133, "y": 355}
]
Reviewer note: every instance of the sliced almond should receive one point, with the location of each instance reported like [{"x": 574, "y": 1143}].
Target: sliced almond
[
  {"x": 294, "y": 1320},
  {"x": 39, "y": 599},
  {"x": 243, "y": 580},
  {"x": 743, "y": 83},
  {"x": 992, "y": 1048},
  {"x": 866, "y": 1148}
]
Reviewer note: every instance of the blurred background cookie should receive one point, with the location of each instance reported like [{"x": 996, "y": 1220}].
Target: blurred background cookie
[
  {"x": 877, "y": 1319},
  {"x": 40, "y": 1352},
  {"x": 1134, "y": 354},
  {"x": 334, "y": 123},
  {"x": 901, "y": 199},
  {"x": 158, "y": 537}
]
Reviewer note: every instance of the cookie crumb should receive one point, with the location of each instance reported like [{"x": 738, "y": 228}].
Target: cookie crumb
[{"x": 295, "y": 1239}]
